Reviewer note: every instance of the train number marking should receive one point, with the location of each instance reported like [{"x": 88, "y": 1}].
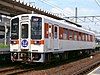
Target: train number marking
[{"x": 24, "y": 43}]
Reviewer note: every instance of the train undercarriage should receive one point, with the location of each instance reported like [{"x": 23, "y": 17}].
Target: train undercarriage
[
  {"x": 5, "y": 56},
  {"x": 30, "y": 57}
]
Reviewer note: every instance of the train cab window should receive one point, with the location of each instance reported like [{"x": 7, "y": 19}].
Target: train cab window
[
  {"x": 55, "y": 32},
  {"x": 15, "y": 28},
  {"x": 36, "y": 27}
]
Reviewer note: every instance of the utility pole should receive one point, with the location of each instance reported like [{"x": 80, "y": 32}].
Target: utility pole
[
  {"x": 5, "y": 34},
  {"x": 75, "y": 14},
  {"x": 6, "y": 30}
]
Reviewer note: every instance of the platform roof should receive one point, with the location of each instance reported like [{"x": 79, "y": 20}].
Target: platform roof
[{"x": 12, "y": 8}]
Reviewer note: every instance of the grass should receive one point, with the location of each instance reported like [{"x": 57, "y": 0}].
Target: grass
[{"x": 2, "y": 45}]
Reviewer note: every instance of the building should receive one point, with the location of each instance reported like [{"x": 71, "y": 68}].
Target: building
[{"x": 4, "y": 28}]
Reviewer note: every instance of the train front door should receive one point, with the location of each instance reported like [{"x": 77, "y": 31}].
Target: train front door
[
  {"x": 56, "y": 38},
  {"x": 24, "y": 41}
]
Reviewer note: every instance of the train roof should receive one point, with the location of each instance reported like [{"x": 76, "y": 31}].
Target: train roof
[{"x": 69, "y": 24}]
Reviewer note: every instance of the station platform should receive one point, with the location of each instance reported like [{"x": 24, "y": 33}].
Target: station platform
[{"x": 95, "y": 71}]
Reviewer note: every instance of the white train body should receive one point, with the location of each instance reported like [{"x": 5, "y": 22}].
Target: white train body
[{"x": 34, "y": 37}]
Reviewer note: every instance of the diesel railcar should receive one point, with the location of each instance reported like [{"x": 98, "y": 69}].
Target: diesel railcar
[{"x": 38, "y": 38}]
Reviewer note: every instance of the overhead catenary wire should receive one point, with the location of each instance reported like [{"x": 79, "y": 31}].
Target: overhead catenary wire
[
  {"x": 97, "y": 2},
  {"x": 55, "y": 6}
]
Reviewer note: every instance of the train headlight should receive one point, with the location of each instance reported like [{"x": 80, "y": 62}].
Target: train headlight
[
  {"x": 14, "y": 42},
  {"x": 36, "y": 42},
  {"x": 15, "y": 53}
]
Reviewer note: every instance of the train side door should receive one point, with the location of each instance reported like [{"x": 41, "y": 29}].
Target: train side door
[
  {"x": 50, "y": 41},
  {"x": 56, "y": 38},
  {"x": 24, "y": 41}
]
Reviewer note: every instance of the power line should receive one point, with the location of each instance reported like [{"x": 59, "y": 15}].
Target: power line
[
  {"x": 58, "y": 8},
  {"x": 97, "y": 2}
]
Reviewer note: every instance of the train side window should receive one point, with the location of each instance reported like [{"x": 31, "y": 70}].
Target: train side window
[
  {"x": 52, "y": 31},
  {"x": 91, "y": 38},
  {"x": 46, "y": 26},
  {"x": 75, "y": 35},
  {"x": 55, "y": 32},
  {"x": 86, "y": 37},
  {"x": 60, "y": 33},
  {"x": 70, "y": 35},
  {"x": 65, "y": 34},
  {"x": 80, "y": 36}
]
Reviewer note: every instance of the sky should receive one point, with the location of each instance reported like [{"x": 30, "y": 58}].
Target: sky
[
  {"x": 85, "y": 7},
  {"x": 67, "y": 8}
]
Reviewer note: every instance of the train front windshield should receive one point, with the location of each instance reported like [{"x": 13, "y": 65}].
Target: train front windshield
[
  {"x": 36, "y": 27},
  {"x": 15, "y": 28}
]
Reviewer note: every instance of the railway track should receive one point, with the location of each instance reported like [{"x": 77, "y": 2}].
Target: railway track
[
  {"x": 14, "y": 70},
  {"x": 87, "y": 69},
  {"x": 17, "y": 69},
  {"x": 20, "y": 71},
  {"x": 78, "y": 67},
  {"x": 9, "y": 70}
]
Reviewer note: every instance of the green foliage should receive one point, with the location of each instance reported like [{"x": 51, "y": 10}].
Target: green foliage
[{"x": 2, "y": 45}]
